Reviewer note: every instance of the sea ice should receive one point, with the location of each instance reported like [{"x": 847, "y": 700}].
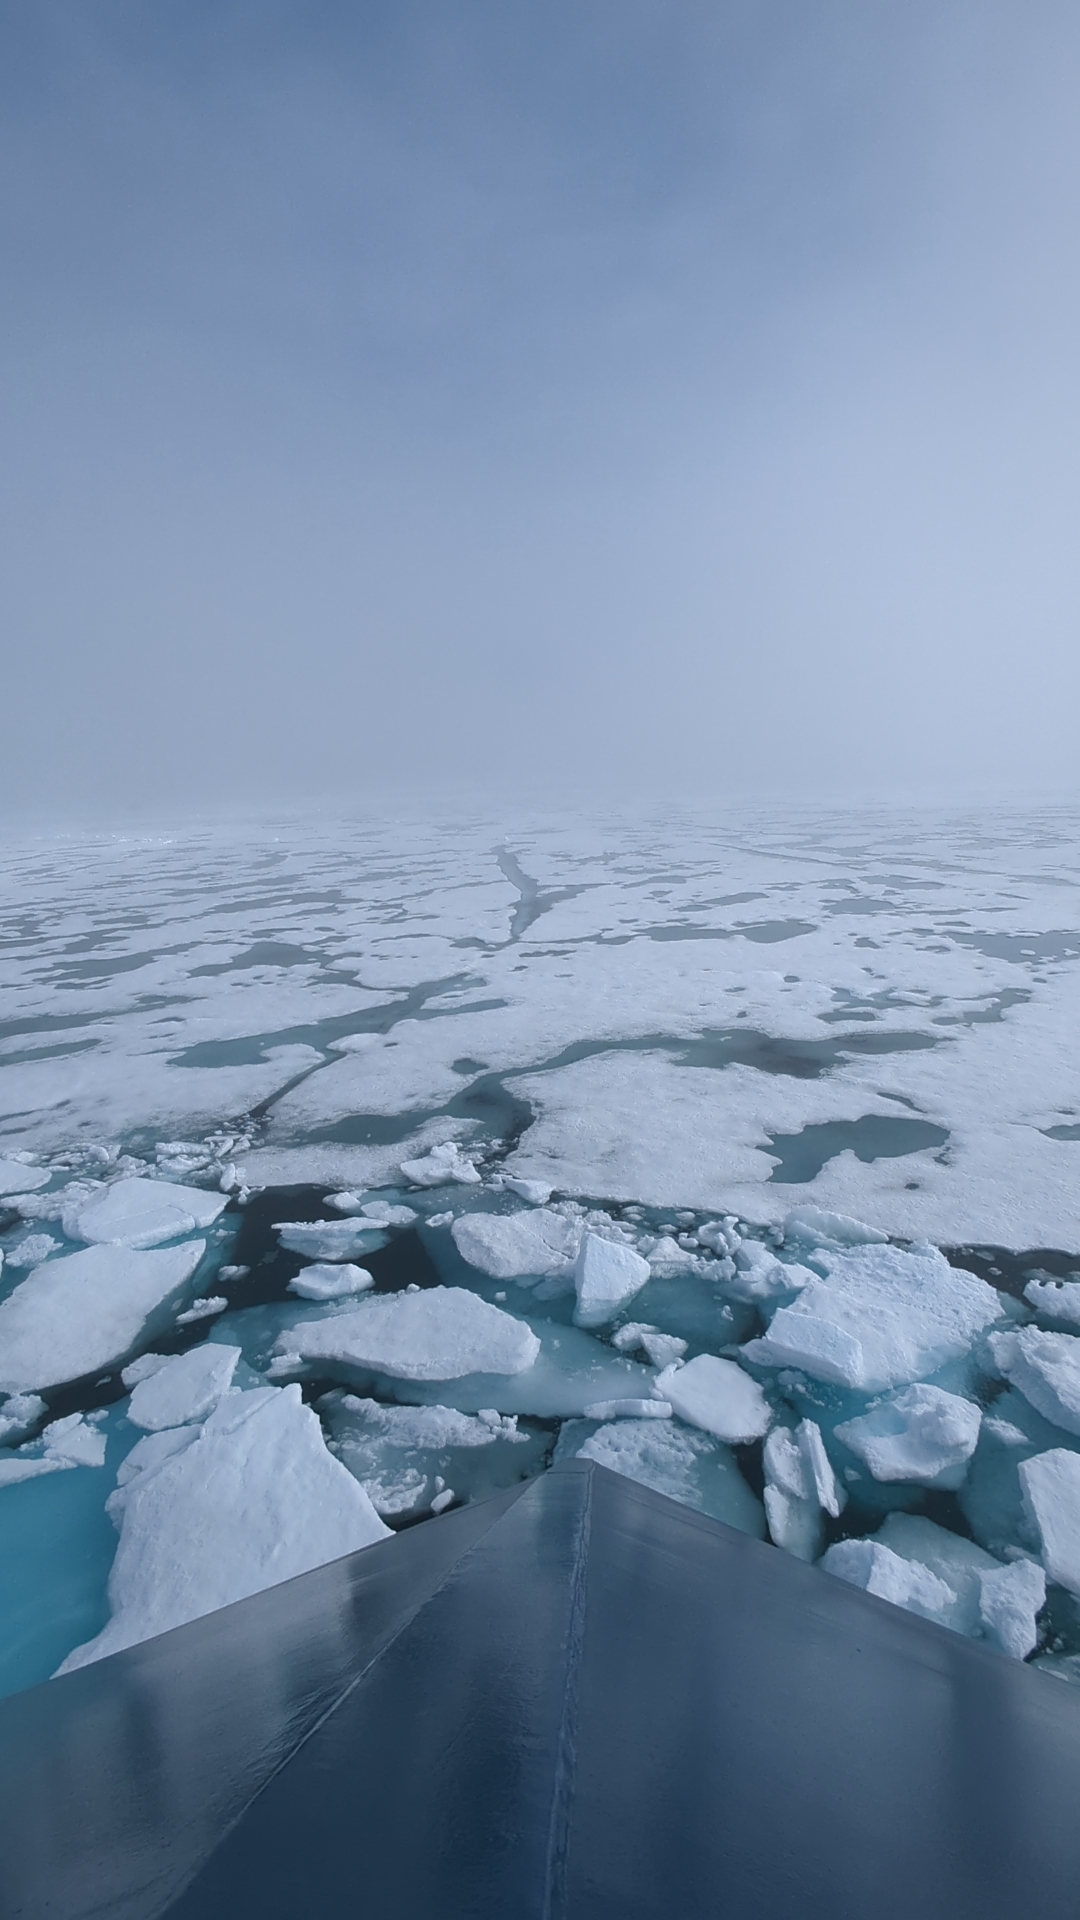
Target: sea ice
[
  {"x": 444, "y": 1163},
  {"x": 330, "y": 1282},
  {"x": 717, "y": 1396},
  {"x": 1051, "y": 1489},
  {"x": 880, "y": 1318},
  {"x": 185, "y": 1389},
  {"x": 254, "y": 1499},
  {"x": 440, "y": 1333},
  {"x": 921, "y": 1434},
  {"x": 31, "y": 1251},
  {"x": 86, "y": 1311},
  {"x": 630, "y": 1409},
  {"x": 815, "y": 1227},
  {"x": 15, "y": 1178},
  {"x": 142, "y": 1213},
  {"x": 689, "y": 1467},
  {"x": 516, "y": 1246},
  {"x": 799, "y": 1486},
  {"x": 661, "y": 1349},
  {"x": 606, "y": 1276},
  {"x": 18, "y": 1415},
  {"x": 1045, "y": 1368},
  {"x": 329, "y": 1239},
  {"x": 1009, "y": 1601},
  {"x": 876, "y": 1569},
  {"x": 536, "y": 1192},
  {"x": 1055, "y": 1299},
  {"x": 760, "y": 1277},
  {"x": 403, "y": 1456}
]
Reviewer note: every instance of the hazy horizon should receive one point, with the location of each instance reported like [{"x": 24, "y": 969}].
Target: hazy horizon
[{"x": 607, "y": 401}]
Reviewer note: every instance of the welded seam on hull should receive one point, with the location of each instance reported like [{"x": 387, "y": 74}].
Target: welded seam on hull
[{"x": 562, "y": 1799}]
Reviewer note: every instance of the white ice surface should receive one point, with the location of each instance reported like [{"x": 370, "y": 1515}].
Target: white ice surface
[
  {"x": 876, "y": 1569},
  {"x": 1045, "y": 1368},
  {"x": 922, "y": 1434},
  {"x": 879, "y": 1318},
  {"x": 440, "y": 1333},
  {"x": 688, "y": 1467},
  {"x": 86, "y": 1311},
  {"x": 1051, "y": 1490},
  {"x": 184, "y": 1389},
  {"x": 329, "y": 1239},
  {"x": 515, "y": 1246},
  {"x": 142, "y": 1213},
  {"x": 15, "y": 1178},
  {"x": 717, "y": 1396},
  {"x": 330, "y": 1282},
  {"x": 254, "y": 1499},
  {"x": 1054, "y": 1299},
  {"x": 1009, "y": 1600},
  {"x": 606, "y": 1277},
  {"x": 761, "y": 1278}
]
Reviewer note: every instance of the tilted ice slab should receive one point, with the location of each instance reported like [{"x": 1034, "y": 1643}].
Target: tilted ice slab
[
  {"x": 329, "y": 1239},
  {"x": 1051, "y": 1490},
  {"x": 254, "y": 1499},
  {"x": 406, "y": 1457},
  {"x": 921, "y": 1434},
  {"x": 1045, "y": 1368},
  {"x": 1054, "y": 1299},
  {"x": 946, "y": 1578},
  {"x": 438, "y": 1334},
  {"x": 689, "y": 1467},
  {"x": 606, "y": 1277},
  {"x": 142, "y": 1213},
  {"x": 517, "y": 1246},
  {"x": 15, "y": 1178},
  {"x": 181, "y": 1389},
  {"x": 800, "y": 1486},
  {"x": 87, "y": 1311},
  {"x": 75, "y": 1441},
  {"x": 880, "y": 1318},
  {"x": 878, "y": 1570},
  {"x": 717, "y": 1396},
  {"x": 760, "y": 1278}
]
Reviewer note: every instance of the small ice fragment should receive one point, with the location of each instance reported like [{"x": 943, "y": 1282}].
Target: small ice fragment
[
  {"x": 344, "y": 1202},
  {"x": 1050, "y": 1483},
  {"x": 18, "y": 1415},
  {"x": 513, "y": 1246},
  {"x": 921, "y": 1434},
  {"x": 1056, "y": 1299},
  {"x": 440, "y": 1219},
  {"x": 760, "y": 1276},
  {"x": 1009, "y": 1599},
  {"x": 32, "y": 1251},
  {"x": 876, "y": 1569},
  {"x": 185, "y": 1389},
  {"x": 667, "y": 1258},
  {"x": 73, "y": 1442},
  {"x": 203, "y": 1309},
  {"x": 830, "y": 1496},
  {"x": 606, "y": 1276},
  {"x": 328, "y": 1239},
  {"x": 382, "y": 1214},
  {"x": 717, "y": 1396},
  {"x": 141, "y": 1213},
  {"x": 330, "y": 1282},
  {"x": 443, "y": 1500},
  {"x": 233, "y": 1273},
  {"x": 1045, "y": 1368},
  {"x": 792, "y": 1508},
  {"x": 536, "y": 1192},
  {"x": 629, "y": 1409},
  {"x": 143, "y": 1368},
  {"x": 443, "y": 1163},
  {"x": 15, "y": 1177},
  {"x": 440, "y": 1333}
]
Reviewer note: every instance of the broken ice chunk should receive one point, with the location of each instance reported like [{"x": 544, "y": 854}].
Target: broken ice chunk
[
  {"x": 606, "y": 1276},
  {"x": 141, "y": 1213},
  {"x": 829, "y": 1494},
  {"x": 382, "y": 1214},
  {"x": 760, "y": 1276},
  {"x": 879, "y": 1318},
  {"x": 443, "y": 1500},
  {"x": 440, "y": 1333},
  {"x": 1055, "y": 1299},
  {"x": 17, "y": 1178},
  {"x": 536, "y": 1192},
  {"x": 717, "y": 1396},
  {"x": 515, "y": 1246},
  {"x": 31, "y": 1251},
  {"x": 689, "y": 1467},
  {"x": 629, "y": 1409},
  {"x": 922, "y": 1434},
  {"x": 1045, "y": 1368},
  {"x": 817, "y": 1228},
  {"x": 18, "y": 1415},
  {"x": 330, "y": 1282},
  {"x": 329, "y": 1239},
  {"x": 394, "y": 1451},
  {"x": 1050, "y": 1483},
  {"x": 876, "y": 1569},
  {"x": 443, "y": 1163},
  {"x": 799, "y": 1485},
  {"x": 255, "y": 1498},
  {"x": 204, "y": 1309},
  {"x": 86, "y": 1311},
  {"x": 1009, "y": 1600},
  {"x": 184, "y": 1389}
]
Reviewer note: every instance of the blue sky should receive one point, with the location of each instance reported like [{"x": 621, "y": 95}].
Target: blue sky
[{"x": 617, "y": 398}]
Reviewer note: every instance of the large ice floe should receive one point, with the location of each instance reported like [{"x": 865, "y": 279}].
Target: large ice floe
[{"x": 745, "y": 1163}]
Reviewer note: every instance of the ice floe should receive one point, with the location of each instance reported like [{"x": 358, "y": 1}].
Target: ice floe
[
  {"x": 606, "y": 1277},
  {"x": 922, "y": 1434},
  {"x": 1054, "y": 1299},
  {"x": 403, "y": 1456},
  {"x": 517, "y": 1246},
  {"x": 440, "y": 1333},
  {"x": 717, "y": 1396},
  {"x": 142, "y": 1213},
  {"x": 184, "y": 1389},
  {"x": 17, "y": 1178},
  {"x": 253, "y": 1499},
  {"x": 87, "y": 1311},
  {"x": 761, "y": 1278},
  {"x": 879, "y": 1318},
  {"x": 327, "y": 1281},
  {"x": 688, "y": 1466},
  {"x": 1051, "y": 1490},
  {"x": 329, "y": 1239},
  {"x": 1045, "y": 1368},
  {"x": 444, "y": 1163}
]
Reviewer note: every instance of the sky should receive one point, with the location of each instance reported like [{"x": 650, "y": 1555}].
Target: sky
[{"x": 602, "y": 398}]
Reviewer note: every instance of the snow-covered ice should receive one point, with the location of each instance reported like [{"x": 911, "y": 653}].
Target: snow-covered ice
[
  {"x": 87, "y": 1311},
  {"x": 1051, "y": 1489},
  {"x": 690, "y": 1467},
  {"x": 800, "y": 1486},
  {"x": 922, "y": 1434},
  {"x": 1054, "y": 1299},
  {"x": 438, "y": 1334},
  {"x": 717, "y": 1396},
  {"x": 878, "y": 1570},
  {"x": 254, "y": 1499},
  {"x": 17, "y": 1178},
  {"x": 327, "y": 1281},
  {"x": 879, "y": 1318},
  {"x": 184, "y": 1389},
  {"x": 606, "y": 1277},
  {"x": 517, "y": 1246},
  {"x": 142, "y": 1213},
  {"x": 329, "y": 1239},
  {"x": 403, "y": 1456},
  {"x": 1045, "y": 1368}
]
